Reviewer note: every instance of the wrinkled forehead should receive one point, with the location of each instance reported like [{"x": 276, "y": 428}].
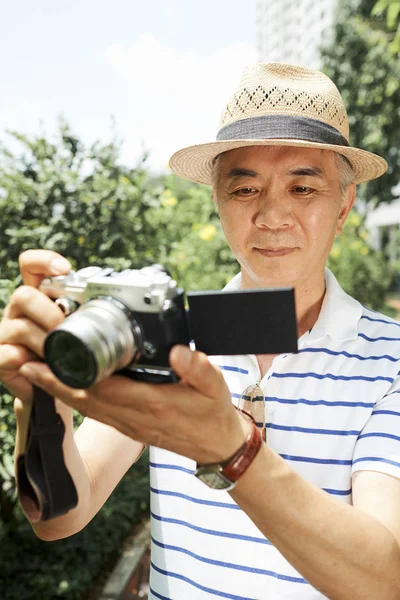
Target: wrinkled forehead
[{"x": 266, "y": 159}]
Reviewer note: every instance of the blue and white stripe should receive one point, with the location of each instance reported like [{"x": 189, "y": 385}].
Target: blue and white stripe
[{"x": 331, "y": 409}]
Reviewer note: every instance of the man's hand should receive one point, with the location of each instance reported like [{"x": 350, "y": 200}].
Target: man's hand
[
  {"x": 194, "y": 417},
  {"x": 27, "y": 318}
]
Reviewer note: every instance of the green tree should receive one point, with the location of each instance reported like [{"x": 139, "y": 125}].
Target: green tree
[
  {"x": 390, "y": 8},
  {"x": 363, "y": 272},
  {"x": 189, "y": 236},
  {"x": 80, "y": 202},
  {"x": 362, "y": 63}
]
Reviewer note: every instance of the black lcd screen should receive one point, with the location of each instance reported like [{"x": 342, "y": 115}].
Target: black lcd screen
[{"x": 261, "y": 321}]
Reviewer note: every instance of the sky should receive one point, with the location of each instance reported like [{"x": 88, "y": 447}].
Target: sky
[{"x": 161, "y": 69}]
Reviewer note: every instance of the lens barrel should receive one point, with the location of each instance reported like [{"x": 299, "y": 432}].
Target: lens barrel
[{"x": 99, "y": 338}]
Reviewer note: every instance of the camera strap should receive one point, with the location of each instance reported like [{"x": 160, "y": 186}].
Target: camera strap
[{"x": 45, "y": 487}]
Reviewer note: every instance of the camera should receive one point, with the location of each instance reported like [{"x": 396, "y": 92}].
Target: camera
[
  {"x": 128, "y": 321},
  {"x": 123, "y": 322}
]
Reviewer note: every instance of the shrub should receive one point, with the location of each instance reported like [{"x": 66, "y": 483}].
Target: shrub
[
  {"x": 362, "y": 272},
  {"x": 32, "y": 569}
]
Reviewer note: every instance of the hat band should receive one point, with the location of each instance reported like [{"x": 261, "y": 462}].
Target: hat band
[{"x": 282, "y": 127}]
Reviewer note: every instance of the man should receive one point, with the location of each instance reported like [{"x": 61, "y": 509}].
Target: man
[{"x": 314, "y": 512}]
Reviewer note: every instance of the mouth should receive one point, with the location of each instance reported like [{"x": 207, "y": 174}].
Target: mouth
[{"x": 275, "y": 252}]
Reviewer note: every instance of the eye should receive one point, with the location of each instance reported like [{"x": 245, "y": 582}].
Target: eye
[
  {"x": 302, "y": 190},
  {"x": 246, "y": 191}
]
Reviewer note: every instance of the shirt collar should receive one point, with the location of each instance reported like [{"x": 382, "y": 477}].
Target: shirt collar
[
  {"x": 340, "y": 313},
  {"x": 339, "y": 316}
]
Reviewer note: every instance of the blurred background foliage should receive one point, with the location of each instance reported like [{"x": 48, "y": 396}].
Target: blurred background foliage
[
  {"x": 83, "y": 203},
  {"x": 363, "y": 272},
  {"x": 362, "y": 58},
  {"x": 76, "y": 567}
]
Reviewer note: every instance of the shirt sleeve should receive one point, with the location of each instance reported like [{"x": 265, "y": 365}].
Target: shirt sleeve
[{"x": 378, "y": 445}]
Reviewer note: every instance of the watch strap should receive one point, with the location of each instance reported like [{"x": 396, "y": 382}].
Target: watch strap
[
  {"x": 233, "y": 468},
  {"x": 237, "y": 464}
]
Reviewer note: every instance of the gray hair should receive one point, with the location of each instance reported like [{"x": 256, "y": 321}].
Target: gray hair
[
  {"x": 346, "y": 173},
  {"x": 343, "y": 165}
]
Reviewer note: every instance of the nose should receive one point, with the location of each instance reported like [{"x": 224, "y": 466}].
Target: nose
[{"x": 273, "y": 212}]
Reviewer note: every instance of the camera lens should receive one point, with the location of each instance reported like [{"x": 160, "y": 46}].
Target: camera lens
[
  {"x": 72, "y": 361},
  {"x": 99, "y": 338}
]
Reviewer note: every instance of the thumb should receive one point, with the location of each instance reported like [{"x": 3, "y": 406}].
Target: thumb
[
  {"x": 197, "y": 371},
  {"x": 37, "y": 264}
]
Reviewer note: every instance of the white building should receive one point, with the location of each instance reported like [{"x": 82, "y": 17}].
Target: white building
[
  {"x": 383, "y": 225},
  {"x": 293, "y": 30}
]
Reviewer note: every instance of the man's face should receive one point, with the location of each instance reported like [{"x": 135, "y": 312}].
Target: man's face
[{"x": 280, "y": 208}]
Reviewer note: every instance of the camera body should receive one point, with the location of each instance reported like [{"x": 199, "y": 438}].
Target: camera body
[{"x": 123, "y": 321}]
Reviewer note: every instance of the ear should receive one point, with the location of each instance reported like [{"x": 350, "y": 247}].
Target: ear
[{"x": 346, "y": 206}]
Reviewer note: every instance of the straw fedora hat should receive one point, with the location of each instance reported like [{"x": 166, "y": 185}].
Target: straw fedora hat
[{"x": 280, "y": 105}]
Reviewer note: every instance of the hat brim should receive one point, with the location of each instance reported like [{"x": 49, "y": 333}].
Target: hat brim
[{"x": 196, "y": 162}]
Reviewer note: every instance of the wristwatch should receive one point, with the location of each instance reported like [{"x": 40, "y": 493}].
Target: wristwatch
[{"x": 225, "y": 475}]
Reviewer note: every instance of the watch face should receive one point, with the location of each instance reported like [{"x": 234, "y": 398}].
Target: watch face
[{"x": 214, "y": 478}]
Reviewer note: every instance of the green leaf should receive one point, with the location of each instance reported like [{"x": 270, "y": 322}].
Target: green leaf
[
  {"x": 362, "y": 59},
  {"x": 392, "y": 15},
  {"x": 394, "y": 46},
  {"x": 392, "y": 85},
  {"x": 379, "y": 7}
]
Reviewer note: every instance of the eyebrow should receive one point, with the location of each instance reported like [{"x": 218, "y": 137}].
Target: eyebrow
[
  {"x": 296, "y": 172},
  {"x": 241, "y": 172},
  {"x": 306, "y": 172}
]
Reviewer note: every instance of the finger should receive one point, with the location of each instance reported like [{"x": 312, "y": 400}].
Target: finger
[
  {"x": 28, "y": 302},
  {"x": 143, "y": 411},
  {"x": 106, "y": 407},
  {"x": 40, "y": 374},
  {"x": 145, "y": 401},
  {"x": 128, "y": 389},
  {"x": 37, "y": 264},
  {"x": 196, "y": 370},
  {"x": 24, "y": 333},
  {"x": 133, "y": 407},
  {"x": 114, "y": 391},
  {"x": 12, "y": 357},
  {"x": 11, "y": 360}
]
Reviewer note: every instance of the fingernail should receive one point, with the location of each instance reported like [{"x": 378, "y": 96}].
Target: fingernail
[{"x": 59, "y": 266}]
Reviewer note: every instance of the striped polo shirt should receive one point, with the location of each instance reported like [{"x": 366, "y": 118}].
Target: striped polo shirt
[{"x": 331, "y": 409}]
